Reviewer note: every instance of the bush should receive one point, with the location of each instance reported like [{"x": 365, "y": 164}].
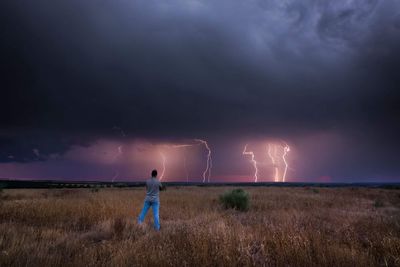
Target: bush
[{"x": 236, "y": 199}]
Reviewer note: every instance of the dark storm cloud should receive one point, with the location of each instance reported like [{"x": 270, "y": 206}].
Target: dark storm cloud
[
  {"x": 201, "y": 68},
  {"x": 35, "y": 145}
]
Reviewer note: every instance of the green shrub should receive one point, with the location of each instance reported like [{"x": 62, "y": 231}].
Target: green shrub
[{"x": 236, "y": 199}]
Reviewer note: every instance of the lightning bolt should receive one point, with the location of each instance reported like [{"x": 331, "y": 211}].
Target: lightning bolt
[
  {"x": 115, "y": 176},
  {"x": 206, "y": 172},
  {"x": 286, "y": 149},
  {"x": 184, "y": 165},
  {"x": 251, "y": 153},
  {"x": 181, "y": 146},
  {"x": 275, "y": 158},
  {"x": 163, "y": 160},
  {"x": 276, "y": 175},
  {"x": 36, "y": 152},
  {"x": 119, "y": 152},
  {"x": 184, "y": 146},
  {"x": 209, "y": 160}
]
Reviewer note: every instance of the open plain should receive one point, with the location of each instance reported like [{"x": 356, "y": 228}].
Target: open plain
[{"x": 284, "y": 226}]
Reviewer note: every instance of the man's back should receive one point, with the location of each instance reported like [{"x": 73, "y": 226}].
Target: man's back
[
  {"x": 153, "y": 186},
  {"x": 153, "y": 189}
]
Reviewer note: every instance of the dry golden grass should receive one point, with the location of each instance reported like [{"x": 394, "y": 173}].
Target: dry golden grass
[{"x": 283, "y": 227}]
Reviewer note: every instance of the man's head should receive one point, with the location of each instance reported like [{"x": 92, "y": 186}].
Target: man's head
[{"x": 154, "y": 173}]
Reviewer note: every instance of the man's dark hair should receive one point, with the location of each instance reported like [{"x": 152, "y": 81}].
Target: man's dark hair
[{"x": 154, "y": 173}]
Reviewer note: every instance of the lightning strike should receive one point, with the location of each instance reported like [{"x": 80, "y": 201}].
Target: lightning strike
[
  {"x": 274, "y": 164},
  {"x": 251, "y": 153},
  {"x": 115, "y": 176},
  {"x": 163, "y": 160},
  {"x": 278, "y": 160},
  {"x": 184, "y": 146},
  {"x": 207, "y": 171},
  {"x": 286, "y": 149},
  {"x": 119, "y": 152},
  {"x": 184, "y": 165},
  {"x": 36, "y": 152}
]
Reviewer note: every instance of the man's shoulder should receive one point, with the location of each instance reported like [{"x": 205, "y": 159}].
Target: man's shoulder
[{"x": 153, "y": 180}]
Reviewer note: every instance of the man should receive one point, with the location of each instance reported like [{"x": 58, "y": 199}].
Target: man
[{"x": 153, "y": 187}]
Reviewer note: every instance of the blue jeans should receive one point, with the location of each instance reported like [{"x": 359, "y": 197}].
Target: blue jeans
[{"x": 155, "y": 205}]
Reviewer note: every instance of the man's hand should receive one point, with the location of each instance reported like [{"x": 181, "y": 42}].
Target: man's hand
[{"x": 163, "y": 187}]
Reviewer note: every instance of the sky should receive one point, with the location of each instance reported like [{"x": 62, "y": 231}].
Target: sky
[{"x": 109, "y": 90}]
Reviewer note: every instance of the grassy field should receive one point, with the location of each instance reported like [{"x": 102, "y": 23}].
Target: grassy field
[{"x": 283, "y": 227}]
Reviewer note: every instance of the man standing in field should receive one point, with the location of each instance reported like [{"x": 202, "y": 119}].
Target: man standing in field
[{"x": 153, "y": 187}]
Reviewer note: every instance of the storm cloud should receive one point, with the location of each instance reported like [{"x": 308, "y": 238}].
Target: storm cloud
[{"x": 74, "y": 70}]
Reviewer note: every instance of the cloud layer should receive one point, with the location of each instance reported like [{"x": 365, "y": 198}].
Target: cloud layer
[{"x": 73, "y": 70}]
